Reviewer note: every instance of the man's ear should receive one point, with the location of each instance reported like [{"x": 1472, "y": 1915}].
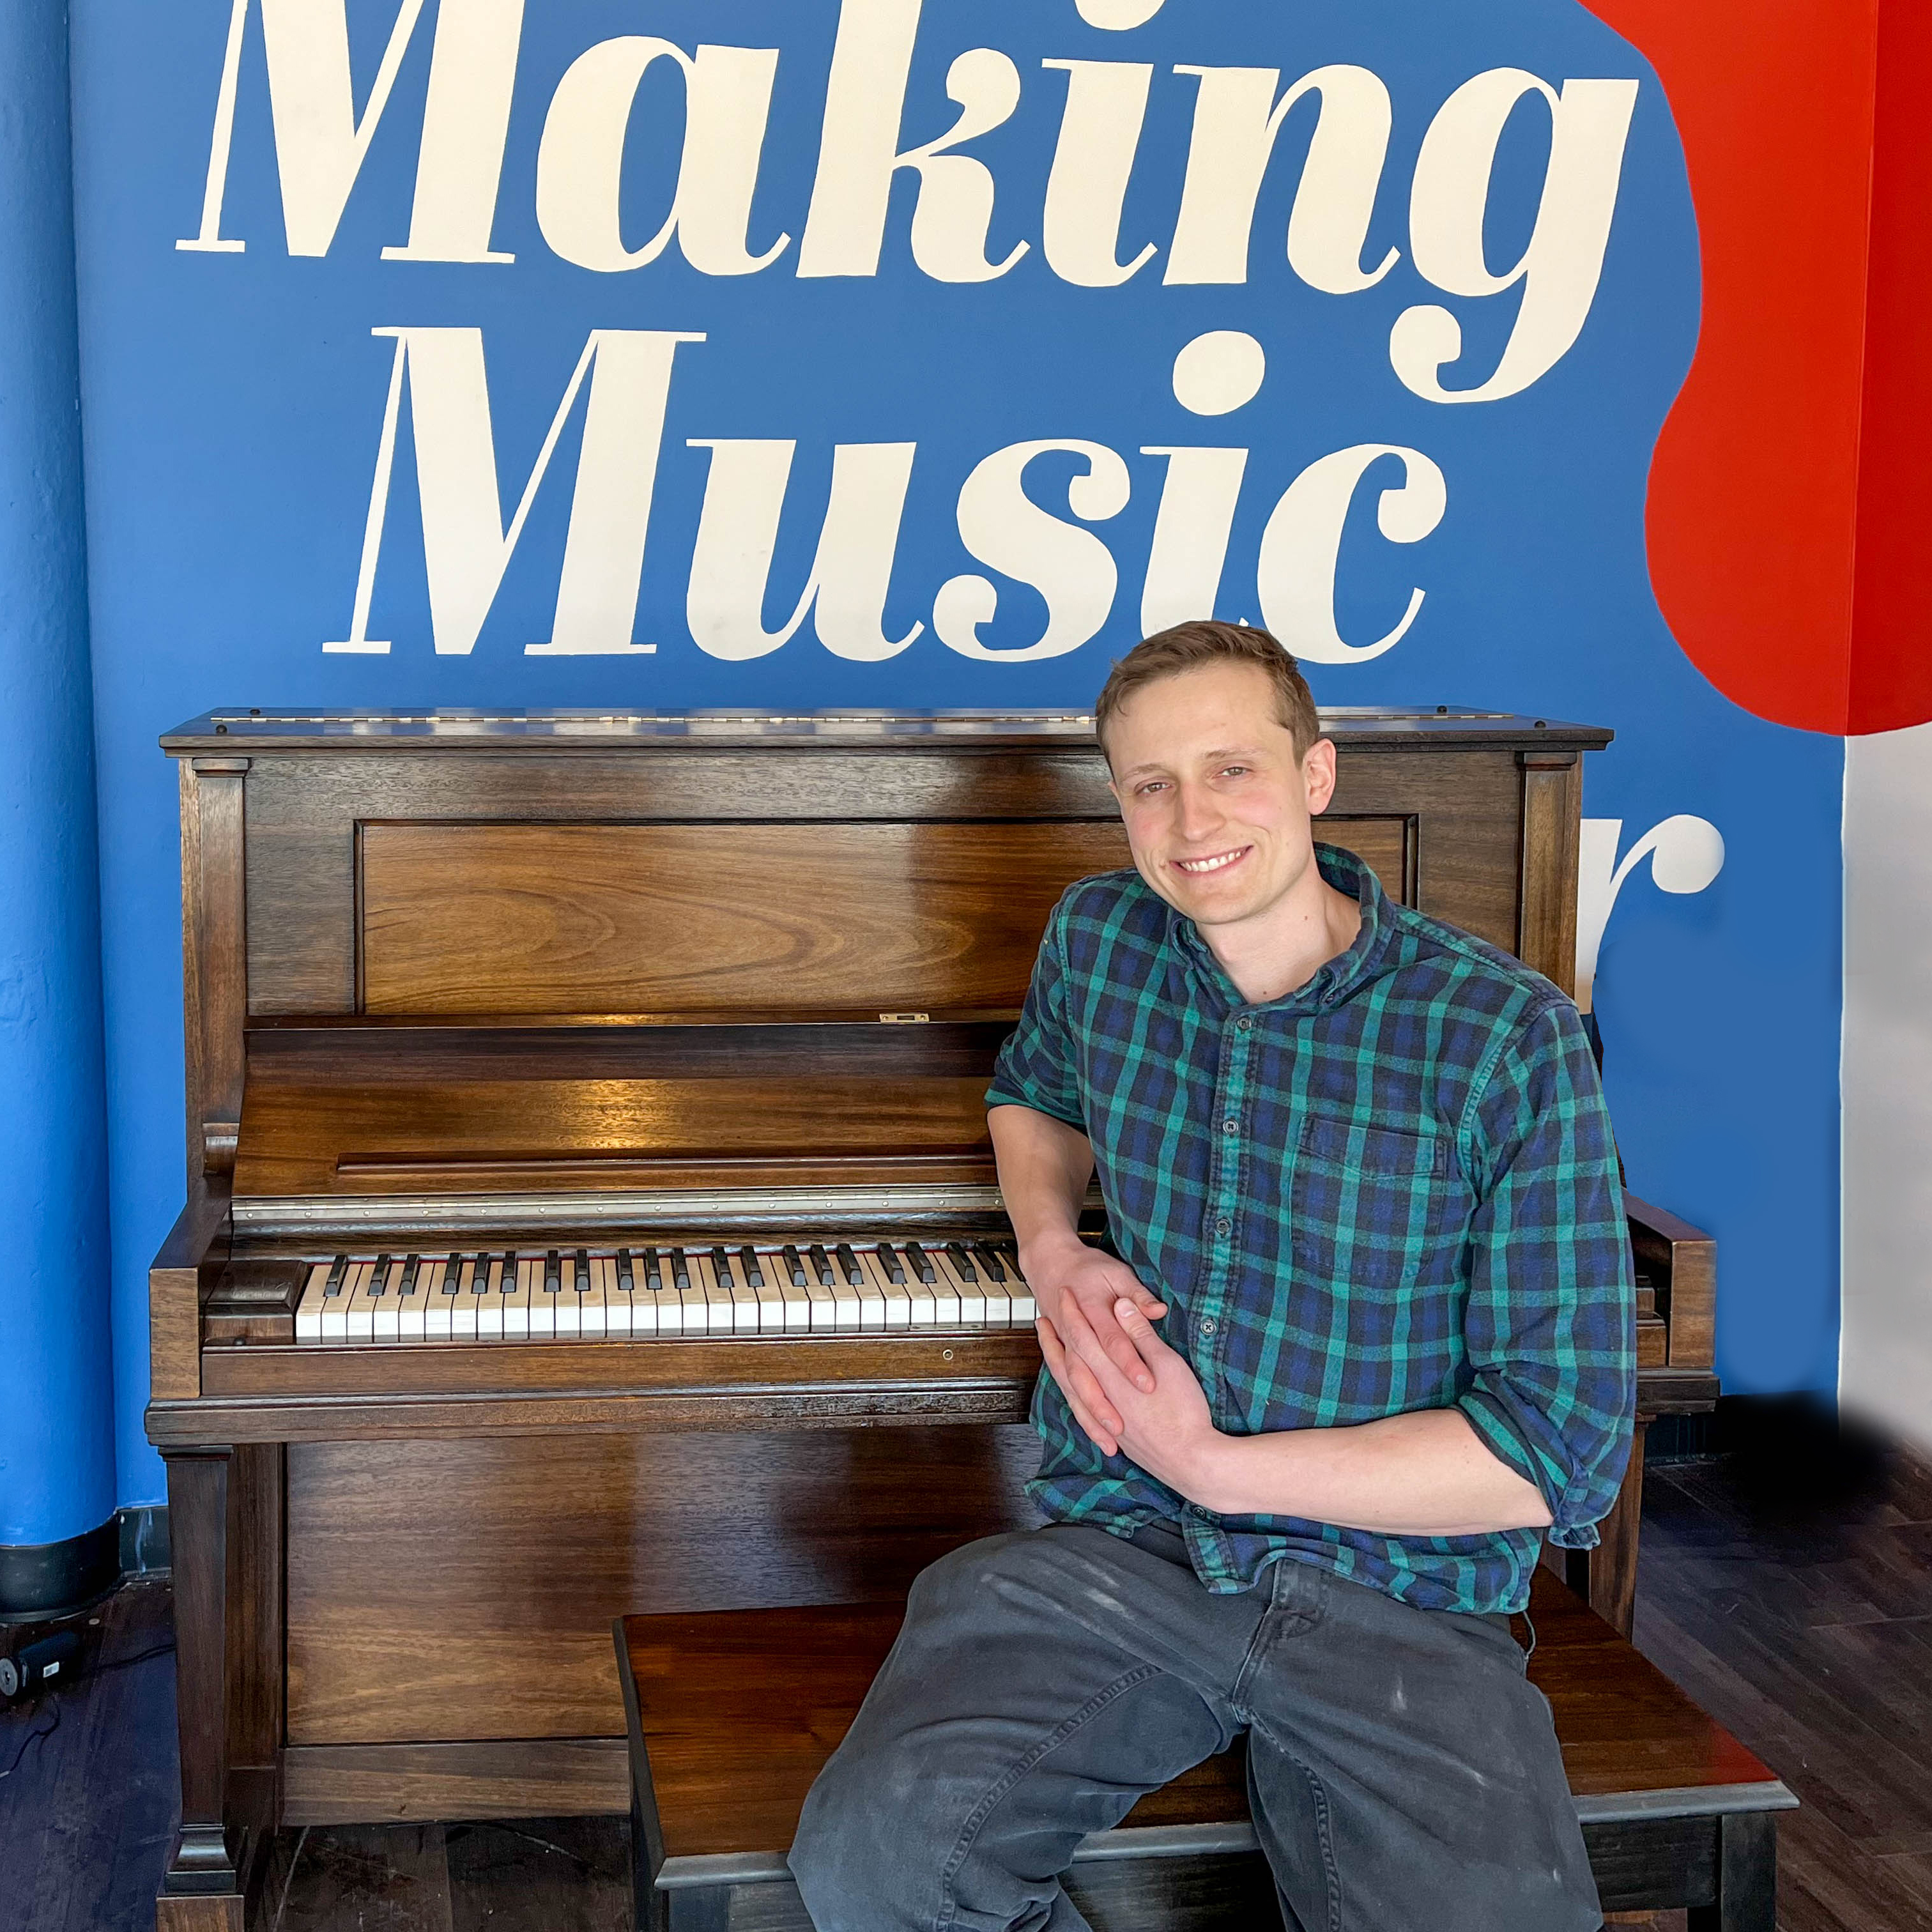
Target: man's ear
[{"x": 1318, "y": 773}]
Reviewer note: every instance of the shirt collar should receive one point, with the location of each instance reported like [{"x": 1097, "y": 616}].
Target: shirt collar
[{"x": 1333, "y": 982}]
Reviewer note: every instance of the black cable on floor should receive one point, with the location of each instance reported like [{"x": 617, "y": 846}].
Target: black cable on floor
[{"x": 31, "y": 1738}]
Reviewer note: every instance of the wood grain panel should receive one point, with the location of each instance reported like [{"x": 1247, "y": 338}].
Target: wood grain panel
[
  {"x": 458, "y": 1591},
  {"x": 543, "y": 1778},
  {"x": 647, "y": 919},
  {"x": 511, "y": 1136}
]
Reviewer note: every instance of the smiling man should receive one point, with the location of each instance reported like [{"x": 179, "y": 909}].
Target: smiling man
[{"x": 1368, "y": 1340}]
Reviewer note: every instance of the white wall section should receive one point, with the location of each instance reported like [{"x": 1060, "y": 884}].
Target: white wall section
[{"x": 1886, "y": 1369}]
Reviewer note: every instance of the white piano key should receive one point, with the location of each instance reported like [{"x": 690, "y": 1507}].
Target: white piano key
[
  {"x": 692, "y": 1293},
  {"x": 777, "y": 1299},
  {"x": 745, "y": 1309},
  {"x": 542, "y": 1303},
  {"x": 489, "y": 1304},
  {"x": 643, "y": 1302},
  {"x": 999, "y": 1301},
  {"x": 360, "y": 1306},
  {"x": 896, "y": 1304},
  {"x": 308, "y": 1310},
  {"x": 944, "y": 1288},
  {"x": 972, "y": 1294},
  {"x": 870, "y": 1290},
  {"x": 824, "y": 1300},
  {"x": 657, "y": 1284},
  {"x": 335, "y": 1310},
  {"x": 593, "y": 1315},
  {"x": 467, "y": 1309},
  {"x": 516, "y": 1304},
  {"x": 439, "y": 1309},
  {"x": 566, "y": 1310},
  {"x": 922, "y": 1309},
  {"x": 1026, "y": 1309},
  {"x": 797, "y": 1293},
  {"x": 411, "y": 1310},
  {"x": 616, "y": 1303}
]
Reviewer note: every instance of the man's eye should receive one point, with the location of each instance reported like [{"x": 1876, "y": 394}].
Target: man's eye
[{"x": 1235, "y": 772}]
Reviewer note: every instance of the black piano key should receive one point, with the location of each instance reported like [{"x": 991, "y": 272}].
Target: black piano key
[
  {"x": 552, "y": 1274},
  {"x": 794, "y": 1266},
  {"x": 479, "y": 1275},
  {"x": 721, "y": 1261},
  {"x": 508, "y": 1286},
  {"x": 962, "y": 1260},
  {"x": 755, "y": 1275},
  {"x": 849, "y": 1261},
  {"x": 680, "y": 1271},
  {"x": 821, "y": 1263},
  {"x": 452, "y": 1274},
  {"x": 889, "y": 1262},
  {"x": 922, "y": 1263},
  {"x": 583, "y": 1271},
  {"x": 411, "y": 1263},
  {"x": 989, "y": 1259},
  {"x": 333, "y": 1286},
  {"x": 626, "y": 1280},
  {"x": 379, "y": 1282},
  {"x": 653, "y": 1281}
]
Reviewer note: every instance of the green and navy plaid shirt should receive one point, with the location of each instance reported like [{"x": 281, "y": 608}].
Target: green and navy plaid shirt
[{"x": 1394, "y": 1189}]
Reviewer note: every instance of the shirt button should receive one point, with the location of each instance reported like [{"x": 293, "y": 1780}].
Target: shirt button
[
  {"x": 1224, "y": 1226},
  {"x": 1208, "y": 1327},
  {"x": 1231, "y": 1127},
  {"x": 1246, "y": 1023}
]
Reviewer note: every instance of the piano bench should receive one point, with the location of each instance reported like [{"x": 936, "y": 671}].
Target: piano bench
[{"x": 732, "y": 1713}]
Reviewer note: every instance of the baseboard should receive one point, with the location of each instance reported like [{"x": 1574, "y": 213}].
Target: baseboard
[
  {"x": 42, "y": 1579},
  {"x": 536, "y": 1777}
]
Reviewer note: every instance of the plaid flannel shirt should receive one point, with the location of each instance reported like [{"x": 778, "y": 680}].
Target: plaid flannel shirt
[{"x": 1394, "y": 1189}]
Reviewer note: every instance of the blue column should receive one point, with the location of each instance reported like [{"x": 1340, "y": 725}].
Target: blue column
[{"x": 56, "y": 1440}]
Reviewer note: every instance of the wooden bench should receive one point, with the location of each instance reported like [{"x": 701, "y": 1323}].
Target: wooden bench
[{"x": 732, "y": 1713}]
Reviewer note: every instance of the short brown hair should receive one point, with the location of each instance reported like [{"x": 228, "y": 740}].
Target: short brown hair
[{"x": 1188, "y": 647}]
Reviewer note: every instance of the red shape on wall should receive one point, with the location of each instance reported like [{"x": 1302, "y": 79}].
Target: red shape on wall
[
  {"x": 1790, "y": 561},
  {"x": 1753, "y": 506}
]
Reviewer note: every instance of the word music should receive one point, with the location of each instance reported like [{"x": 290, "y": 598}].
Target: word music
[{"x": 835, "y": 225}]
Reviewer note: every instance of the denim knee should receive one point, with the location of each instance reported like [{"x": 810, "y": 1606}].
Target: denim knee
[{"x": 856, "y": 1865}]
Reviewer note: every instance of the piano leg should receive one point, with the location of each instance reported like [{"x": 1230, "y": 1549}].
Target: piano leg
[{"x": 202, "y": 1889}]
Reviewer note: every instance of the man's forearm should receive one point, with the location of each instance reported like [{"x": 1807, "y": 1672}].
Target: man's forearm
[
  {"x": 1045, "y": 1166},
  {"x": 1427, "y": 1474}
]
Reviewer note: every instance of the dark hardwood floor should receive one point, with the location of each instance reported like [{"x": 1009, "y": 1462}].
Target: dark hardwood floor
[{"x": 1787, "y": 1586}]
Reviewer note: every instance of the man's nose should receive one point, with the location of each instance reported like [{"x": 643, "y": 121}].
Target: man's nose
[{"x": 1200, "y": 813}]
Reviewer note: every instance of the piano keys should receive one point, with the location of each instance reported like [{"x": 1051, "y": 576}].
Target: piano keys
[{"x": 702, "y": 1287}]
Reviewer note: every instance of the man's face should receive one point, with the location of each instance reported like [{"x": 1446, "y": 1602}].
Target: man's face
[{"x": 1216, "y": 803}]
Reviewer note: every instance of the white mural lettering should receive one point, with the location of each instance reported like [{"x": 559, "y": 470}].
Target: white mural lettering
[
  {"x": 1070, "y": 567},
  {"x": 859, "y": 153},
  {"x": 1302, "y": 545},
  {"x": 580, "y": 160},
  {"x": 1099, "y": 135},
  {"x": 851, "y": 574},
  {"x": 1686, "y": 853},
  {"x": 1237, "y": 120},
  {"x": 465, "y": 547},
  {"x": 1563, "y": 261}
]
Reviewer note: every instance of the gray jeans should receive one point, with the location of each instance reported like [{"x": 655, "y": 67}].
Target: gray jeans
[{"x": 1403, "y": 1772}]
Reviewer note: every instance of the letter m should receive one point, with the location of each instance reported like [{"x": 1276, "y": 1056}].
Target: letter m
[{"x": 467, "y": 548}]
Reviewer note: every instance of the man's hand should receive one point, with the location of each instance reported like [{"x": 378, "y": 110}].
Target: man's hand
[
  {"x": 1078, "y": 1289},
  {"x": 1168, "y": 1430}
]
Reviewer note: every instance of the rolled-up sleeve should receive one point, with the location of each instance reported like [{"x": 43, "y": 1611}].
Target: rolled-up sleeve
[
  {"x": 1037, "y": 1067},
  {"x": 1550, "y": 1327}
]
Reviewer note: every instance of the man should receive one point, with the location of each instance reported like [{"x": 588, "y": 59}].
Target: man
[{"x": 1370, "y": 1338}]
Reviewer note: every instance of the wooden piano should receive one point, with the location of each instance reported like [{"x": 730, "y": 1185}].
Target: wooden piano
[{"x": 587, "y": 1165}]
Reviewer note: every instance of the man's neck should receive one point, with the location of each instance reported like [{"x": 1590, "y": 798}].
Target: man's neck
[{"x": 1281, "y": 949}]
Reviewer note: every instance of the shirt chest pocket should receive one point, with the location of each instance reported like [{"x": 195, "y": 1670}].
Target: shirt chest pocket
[{"x": 1374, "y": 1208}]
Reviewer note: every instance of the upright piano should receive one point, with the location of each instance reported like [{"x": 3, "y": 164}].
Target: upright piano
[{"x": 590, "y": 1208}]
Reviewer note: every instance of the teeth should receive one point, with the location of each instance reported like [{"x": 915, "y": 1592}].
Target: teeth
[{"x": 1209, "y": 865}]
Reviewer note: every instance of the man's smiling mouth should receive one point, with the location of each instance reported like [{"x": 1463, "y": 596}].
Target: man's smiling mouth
[{"x": 1215, "y": 861}]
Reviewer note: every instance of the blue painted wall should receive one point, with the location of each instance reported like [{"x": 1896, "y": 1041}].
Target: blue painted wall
[
  {"x": 56, "y": 1451},
  {"x": 235, "y": 405}
]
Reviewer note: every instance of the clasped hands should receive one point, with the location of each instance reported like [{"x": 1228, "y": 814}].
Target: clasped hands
[{"x": 1132, "y": 1394}]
